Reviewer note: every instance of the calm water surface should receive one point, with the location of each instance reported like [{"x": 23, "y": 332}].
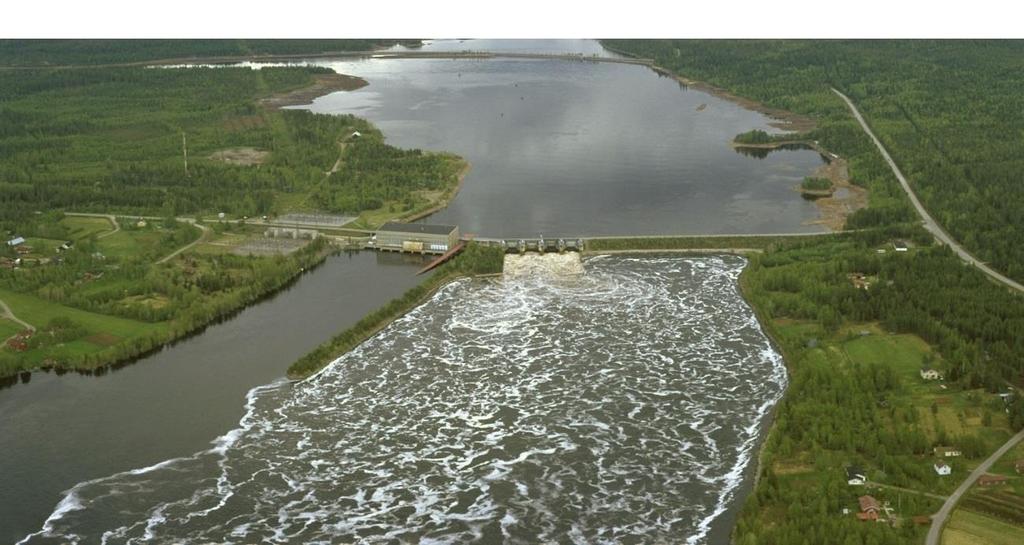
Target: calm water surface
[{"x": 577, "y": 148}]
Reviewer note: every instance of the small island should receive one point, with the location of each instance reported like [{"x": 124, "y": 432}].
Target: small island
[{"x": 813, "y": 187}]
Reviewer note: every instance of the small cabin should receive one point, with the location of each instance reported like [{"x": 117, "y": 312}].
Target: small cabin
[
  {"x": 899, "y": 245},
  {"x": 928, "y": 373}
]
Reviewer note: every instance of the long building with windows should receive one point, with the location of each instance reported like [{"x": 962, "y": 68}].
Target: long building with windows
[{"x": 415, "y": 237}]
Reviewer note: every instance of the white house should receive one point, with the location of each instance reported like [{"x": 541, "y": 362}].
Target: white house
[
  {"x": 942, "y": 468},
  {"x": 928, "y": 373},
  {"x": 855, "y": 476}
]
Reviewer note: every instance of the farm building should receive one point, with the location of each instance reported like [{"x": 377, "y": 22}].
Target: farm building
[
  {"x": 415, "y": 237},
  {"x": 868, "y": 508},
  {"x": 991, "y": 480},
  {"x": 946, "y": 452}
]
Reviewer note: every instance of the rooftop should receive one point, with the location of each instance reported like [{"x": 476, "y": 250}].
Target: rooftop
[{"x": 419, "y": 228}]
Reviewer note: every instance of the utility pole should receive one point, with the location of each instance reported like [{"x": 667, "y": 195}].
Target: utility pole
[{"x": 184, "y": 151}]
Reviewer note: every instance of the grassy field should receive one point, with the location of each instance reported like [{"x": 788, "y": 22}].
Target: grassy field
[
  {"x": 968, "y": 528},
  {"x": 8, "y": 328},
  {"x": 135, "y": 241},
  {"x": 84, "y": 227},
  {"x": 102, "y": 331}
]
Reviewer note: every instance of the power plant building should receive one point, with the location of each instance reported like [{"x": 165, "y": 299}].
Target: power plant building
[{"x": 415, "y": 237}]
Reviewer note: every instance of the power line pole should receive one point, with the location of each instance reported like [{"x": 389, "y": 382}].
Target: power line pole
[{"x": 184, "y": 151}]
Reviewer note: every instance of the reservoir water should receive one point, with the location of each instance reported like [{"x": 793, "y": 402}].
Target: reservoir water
[
  {"x": 627, "y": 399},
  {"x": 619, "y": 402},
  {"x": 567, "y": 148}
]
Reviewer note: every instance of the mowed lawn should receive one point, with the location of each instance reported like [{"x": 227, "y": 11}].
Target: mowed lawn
[
  {"x": 969, "y": 528},
  {"x": 105, "y": 330}
]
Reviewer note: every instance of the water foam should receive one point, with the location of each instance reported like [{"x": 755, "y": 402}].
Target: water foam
[{"x": 623, "y": 404}]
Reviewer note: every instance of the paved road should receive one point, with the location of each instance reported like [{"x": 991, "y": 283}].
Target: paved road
[
  {"x": 929, "y": 223},
  {"x": 939, "y": 520}
]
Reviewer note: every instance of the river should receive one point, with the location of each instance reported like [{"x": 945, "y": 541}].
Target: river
[
  {"x": 582, "y": 148},
  {"x": 60, "y": 430},
  {"x": 618, "y": 402}
]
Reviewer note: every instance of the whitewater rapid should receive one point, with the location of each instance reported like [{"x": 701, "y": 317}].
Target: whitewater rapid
[{"x": 617, "y": 401}]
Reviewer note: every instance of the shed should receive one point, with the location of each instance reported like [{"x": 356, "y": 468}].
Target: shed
[{"x": 415, "y": 237}]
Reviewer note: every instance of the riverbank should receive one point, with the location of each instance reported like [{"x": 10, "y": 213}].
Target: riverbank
[
  {"x": 102, "y": 341},
  {"x": 323, "y": 84},
  {"x": 475, "y": 260},
  {"x": 442, "y": 200},
  {"x": 783, "y": 119}
]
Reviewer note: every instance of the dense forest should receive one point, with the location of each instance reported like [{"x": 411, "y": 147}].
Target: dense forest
[
  {"x": 950, "y": 112},
  {"x": 69, "y": 52},
  {"x": 111, "y": 140}
]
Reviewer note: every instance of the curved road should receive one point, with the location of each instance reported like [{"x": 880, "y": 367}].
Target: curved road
[
  {"x": 939, "y": 520},
  {"x": 202, "y": 237},
  {"x": 929, "y": 223},
  {"x": 5, "y": 312}
]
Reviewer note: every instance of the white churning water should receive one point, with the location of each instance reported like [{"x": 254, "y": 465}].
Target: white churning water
[{"x": 616, "y": 406}]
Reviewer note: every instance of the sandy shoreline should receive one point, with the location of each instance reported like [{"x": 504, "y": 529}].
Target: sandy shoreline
[{"x": 323, "y": 84}]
